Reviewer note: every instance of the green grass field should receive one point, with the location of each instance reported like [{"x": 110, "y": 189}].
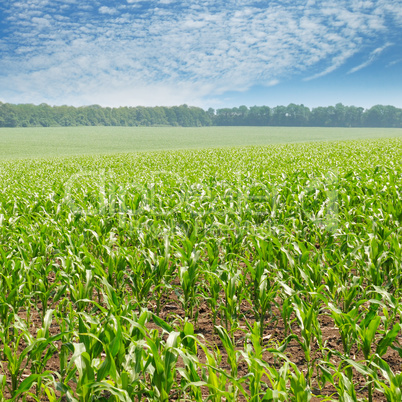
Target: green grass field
[{"x": 61, "y": 141}]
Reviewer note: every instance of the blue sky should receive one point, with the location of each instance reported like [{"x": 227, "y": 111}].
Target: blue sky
[{"x": 201, "y": 52}]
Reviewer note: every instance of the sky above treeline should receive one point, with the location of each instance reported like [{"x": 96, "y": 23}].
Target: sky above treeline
[{"x": 204, "y": 53}]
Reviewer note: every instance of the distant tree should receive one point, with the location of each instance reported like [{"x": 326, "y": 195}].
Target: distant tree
[
  {"x": 25, "y": 115},
  {"x": 279, "y": 116},
  {"x": 353, "y": 116},
  {"x": 297, "y": 115},
  {"x": 383, "y": 116},
  {"x": 224, "y": 117},
  {"x": 9, "y": 115}
]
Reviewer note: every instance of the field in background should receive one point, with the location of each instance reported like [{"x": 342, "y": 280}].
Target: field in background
[{"x": 60, "y": 141}]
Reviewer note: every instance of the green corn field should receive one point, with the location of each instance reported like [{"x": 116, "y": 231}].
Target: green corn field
[{"x": 232, "y": 274}]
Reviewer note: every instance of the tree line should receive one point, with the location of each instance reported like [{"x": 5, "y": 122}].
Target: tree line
[{"x": 28, "y": 115}]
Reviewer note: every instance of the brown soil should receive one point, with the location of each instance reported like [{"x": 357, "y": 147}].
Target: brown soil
[{"x": 172, "y": 312}]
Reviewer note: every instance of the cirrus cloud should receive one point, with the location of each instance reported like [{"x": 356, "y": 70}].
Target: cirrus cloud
[{"x": 169, "y": 52}]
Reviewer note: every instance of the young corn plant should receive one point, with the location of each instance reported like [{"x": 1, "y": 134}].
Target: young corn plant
[
  {"x": 345, "y": 388},
  {"x": 191, "y": 372},
  {"x": 161, "y": 273},
  {"x": 34, "y": 356},
  {"x": 81, "y": 364},
  {"x": 45, "y": 290},
  {"x": 7, "y": 317},
  {"x": 162, "y": 359},
  {"x": 391, "y": 305},
  {"x": 299, "y": 387},
  {"x": 211, "y": 292},
  {"x": 66, "y": 318},
  {"x": 263, "y": 290},
  {"x": 115, "y": 301},
  {"x": 115, "y": 268},
  {"x": 367, "y": 330},
  {"x": 12, "y": 296},
  {"x": 307, "y": 317},
  {"x": 3, "y": 383},
  {"x": 132, "y": 374},
  {"x": 191, "y": 375},
  {"x": 213, "y": 254},
  {"x": 140, "y": 281},
  {"x": 391, "y": 384},
  {"x": 81, "y": 289},
  {"x": 214, "y": 378},
  {"x": 258, "y": 368},
  {"x": 15, "y": 362},
  {"x": 233, "y": 286},
  {"x": 128, "y": 354},
  {"x": 93, "y": 373},
  {"x": 189, "y": 272},
  {"x": 347, "y": 324},
  {"x": 233, "y": 358},
  {"x": 377, "y": 255},
  {"x": 44, "y": 347},
  {"x": 286, "y": 307}
]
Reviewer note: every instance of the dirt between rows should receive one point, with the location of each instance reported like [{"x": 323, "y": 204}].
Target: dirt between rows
[
  {"x": 274, "y": 334},
  {"x": 173, "y": 313}
]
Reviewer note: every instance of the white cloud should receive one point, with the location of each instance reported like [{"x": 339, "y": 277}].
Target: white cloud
[
  {"x": 273, "y": 83},
  {"x": 41, "y": 22},
  {"x": 372, "y": 57},
  {"x": 336, "y": 63},
  {"x": 169, "y": 52},
  {"x": 108, "y": 10},
  {"x": 392, "y": 63}
]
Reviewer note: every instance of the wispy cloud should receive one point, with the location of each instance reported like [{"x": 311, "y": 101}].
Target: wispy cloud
[
  {"x": 336, "y": 62},
  {"x": 169, "y": 52},
  {"x": 372, "y": 57},
  {"x": 393, "y": 62}
]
